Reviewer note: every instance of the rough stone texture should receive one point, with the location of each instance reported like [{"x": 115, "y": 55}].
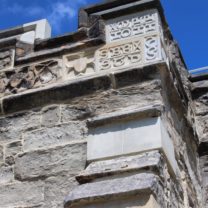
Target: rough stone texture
[
  {"x": 50, "y": 116},
  {"x": 1, "y": 154},
  {"x": 29, "y": 77},
  {"x": 149, "y": 160},
  {"x": 6, "y": 59},
  {"x": 57, "y": 187},
  {"x": 39, "y": 164},
  {"x": 58, "y": 135},
  {"x": 28, "y": 194},
  {"x": 6, "y": 174},
  {"x": 44, "y": 112},
  {"x": 11, "y": 150},
  {"x": 140, "y": 201},
  {"x": 132, "y": 185},
  {"x": 11, "y": 128}
]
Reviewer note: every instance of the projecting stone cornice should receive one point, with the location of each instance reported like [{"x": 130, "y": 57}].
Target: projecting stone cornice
[{"x": 78, "y": 87}]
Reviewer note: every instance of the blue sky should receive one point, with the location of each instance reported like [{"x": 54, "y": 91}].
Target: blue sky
[{"x": 188, "y": 20}]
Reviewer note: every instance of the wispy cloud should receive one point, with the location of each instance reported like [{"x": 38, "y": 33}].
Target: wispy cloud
[{"x": 63, "y": 10}]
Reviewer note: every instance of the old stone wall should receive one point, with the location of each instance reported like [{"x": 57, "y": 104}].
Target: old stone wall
[{"x": 107, "y": 116}]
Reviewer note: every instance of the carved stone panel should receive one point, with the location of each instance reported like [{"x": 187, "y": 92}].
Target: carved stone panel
[
  {"x": 79, "y": 64},
  {"x": 134, "y": 52},
  {"x": 29, "y": 77},
  {"x": 6, "y": 59},
  {"x": 134, "y": 25}
]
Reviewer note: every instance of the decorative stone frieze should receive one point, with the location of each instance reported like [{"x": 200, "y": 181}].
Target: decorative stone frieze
[
  {"x": 6, "y": 59},
  {"x": 129, "y": 53},
  {"x": 135, "y": 25},
  {"x": 29, "y": 77},
  {"x": 79, "y": 64}
]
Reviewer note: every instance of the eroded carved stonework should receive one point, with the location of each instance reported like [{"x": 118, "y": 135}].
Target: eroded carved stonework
[
  {"x": 79, "y": 64},
  {"x": 132, "y": 26},
  {"x": 129, "y": 53},
  {"x": 6, "y": 59},
  {"x": 30, "y": 77}
]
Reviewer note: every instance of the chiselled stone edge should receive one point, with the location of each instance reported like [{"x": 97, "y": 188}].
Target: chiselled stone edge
[
  {"x": 64, "y": 47},
  {"x": 107, "y": 10},
  {"x": 66, "y": 91},
  {"x": 144, "y": 112},
  {"x": 152, "y": 160},
  {"x": 143, "y": 183}
]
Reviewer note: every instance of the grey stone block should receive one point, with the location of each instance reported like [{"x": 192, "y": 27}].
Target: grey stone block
[
  {"x": 12, "y": 127},
  {"x": 56, "y": 136},
  {"x": 56, "y": 188},
  {"x": 43, "y": 163},
  {"x": 129, "y": 164},
  {"x": 1, "y": 154},
  {"x": 28, "y": 194},
  {"x": 6, "y": 174},
  {"x": 117, "y": 188},
  {"x": 69, "y": 113},
  {"x": 11, "y": 150},
  {"x": 50, "y": 116}
]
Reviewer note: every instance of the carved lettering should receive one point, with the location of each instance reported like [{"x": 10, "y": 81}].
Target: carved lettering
[
  {"x": 133, "y": 26},
  {"x": 151, "y": 48},
  {"x": 119, "y": 56}
]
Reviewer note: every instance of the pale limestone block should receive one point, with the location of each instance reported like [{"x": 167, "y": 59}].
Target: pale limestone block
[
  {"x": 79, "y": 64},
  {"x": 130, "y": 137},
  {"x": 133, "y": 52},
  {"x": 134, "y": 25},
  {"x": 141, "y": 201},
  {"x": 42, "y": 31}
]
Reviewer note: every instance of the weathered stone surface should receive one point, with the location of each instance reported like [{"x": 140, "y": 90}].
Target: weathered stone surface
[
  {"x": 6, "y": 59},
  {"x": 11, "y": 128},
  {"x": 6, "y": 174},
  {"x": 50, "y": 137},
  {"x": 69, "y": 113},
  {"x": 1, "y": 154},
  {"x": 11, "y": 150},
  {"x": 69, "y": 158},
  {"x": 120, "y": 187},
  {"x": 79, "y": 64},
  {"x": 128, "y": 113},
  {"x": 33, "y": 76},
  {"x": 202, "y": 127},
  {"x": 149, "y": 160},
  {"x": 139, "y": 201},
  {"x": 28, "y": 194},
  {"x": 51, "y": 116},
  {"x": 56, "y": 188}
]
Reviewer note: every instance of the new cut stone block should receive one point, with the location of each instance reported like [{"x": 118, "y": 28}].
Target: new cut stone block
[
  {"x": 130, "y": 137},
  {"x": 43, "y": 163}
]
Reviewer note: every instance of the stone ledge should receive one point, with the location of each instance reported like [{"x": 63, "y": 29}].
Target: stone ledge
[
  {"x": 145, "y": 161},
  {"x": 59, "y": 51},
  {"x": 127, "y": 114},
  {"x": 57, "y": 92},
  {"x": 143, "y": 183}
]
